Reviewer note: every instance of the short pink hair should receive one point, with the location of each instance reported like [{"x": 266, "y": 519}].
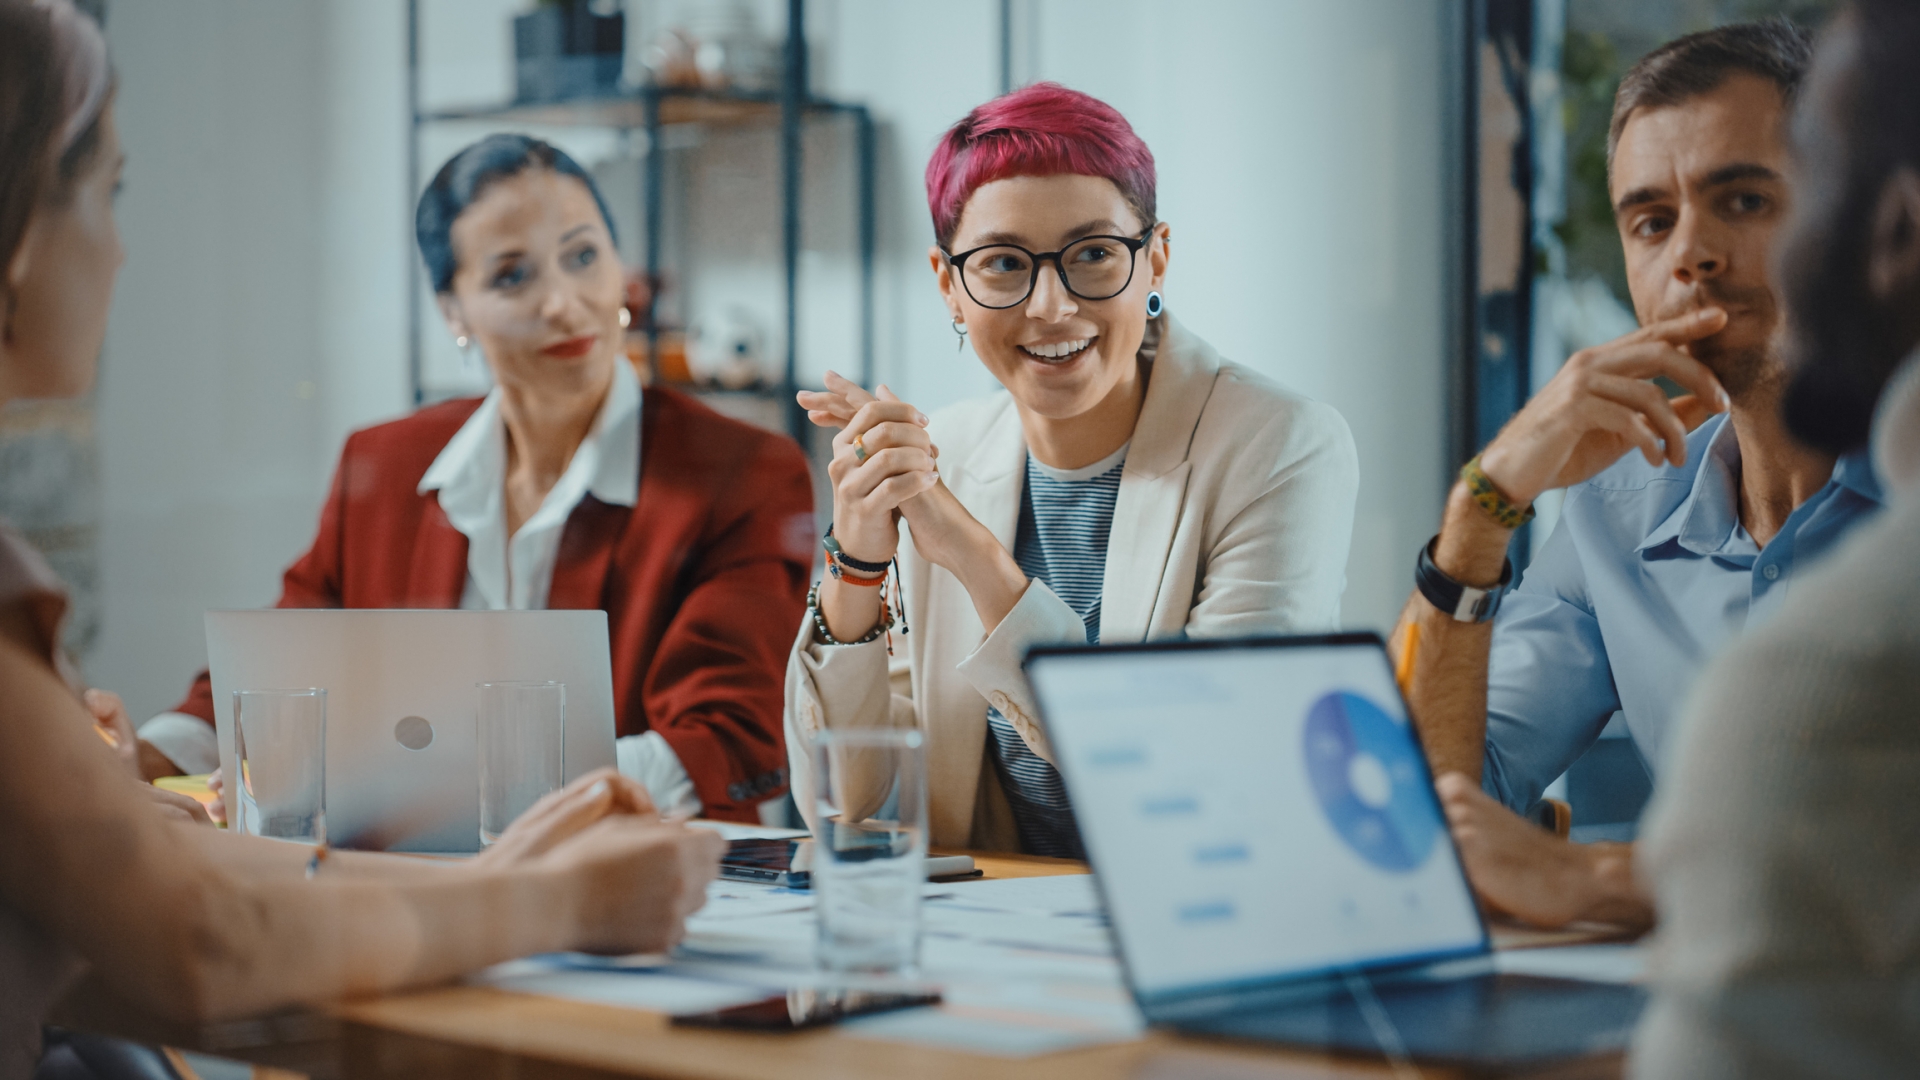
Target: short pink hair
[{"x": 1039, "y": 130}]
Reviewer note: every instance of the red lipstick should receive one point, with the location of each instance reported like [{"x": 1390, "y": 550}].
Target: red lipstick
[{"x": 572, "y": 348}]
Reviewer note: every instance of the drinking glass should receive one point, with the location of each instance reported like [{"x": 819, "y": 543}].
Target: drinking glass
[
  {"x": 870, "y": 848},
  {"x": 280, "y": 754},
  {"x": 522, "y": 749}
]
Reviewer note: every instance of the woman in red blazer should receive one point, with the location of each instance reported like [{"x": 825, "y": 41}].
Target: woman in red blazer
[{"x": 530, "y": 497}]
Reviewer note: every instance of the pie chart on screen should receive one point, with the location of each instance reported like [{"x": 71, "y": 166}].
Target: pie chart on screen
[{"x": 1366, "y": 775}]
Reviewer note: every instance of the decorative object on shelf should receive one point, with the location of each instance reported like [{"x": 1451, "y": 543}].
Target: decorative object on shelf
[
  {"x": 729, "y": 351},
  {"x": 715, "y": 45},
  {"x": 567, "y": 49},
  {"x": 670, "y": 358},
  {"x": 669, "y": 60},
  {"x": 674, "y": 100}
]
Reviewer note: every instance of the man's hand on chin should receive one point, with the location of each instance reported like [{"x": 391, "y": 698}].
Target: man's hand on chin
[{"x": 1524, "y": 871}]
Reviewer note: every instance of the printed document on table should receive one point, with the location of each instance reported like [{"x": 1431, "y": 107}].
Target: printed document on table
[{"x": 1025, "y": 966}]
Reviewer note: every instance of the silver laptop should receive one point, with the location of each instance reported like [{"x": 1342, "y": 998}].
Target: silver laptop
[
  {"x": 1274, "y": 861},
  {"x": 382, "y": 667}
]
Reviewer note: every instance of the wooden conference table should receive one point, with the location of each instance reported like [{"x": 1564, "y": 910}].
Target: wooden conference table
[{"x": 467, "y": 1031}]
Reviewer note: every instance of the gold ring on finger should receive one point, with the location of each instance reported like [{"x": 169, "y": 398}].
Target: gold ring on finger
[{"x": 859, "y": 448}]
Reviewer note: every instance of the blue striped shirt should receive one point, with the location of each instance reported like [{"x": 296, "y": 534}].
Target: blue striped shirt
[{"x": 1065, "y": 519}]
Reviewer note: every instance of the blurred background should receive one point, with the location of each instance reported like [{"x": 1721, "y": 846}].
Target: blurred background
[{"x": 1395, "y": 206}]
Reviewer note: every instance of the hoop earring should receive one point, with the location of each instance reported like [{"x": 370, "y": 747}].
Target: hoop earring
[
  {"x": 626, "y": 318},
  {"x": 1155, "y": 305},
  {"x": 959, "y": 331}
]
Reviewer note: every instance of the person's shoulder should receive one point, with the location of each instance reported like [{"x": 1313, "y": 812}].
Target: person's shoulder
[
  {"x": 684, "y": 414},
  {"x": 428, "y": 427},
  {"x": 1247, "y": 402},
  {"x": 402, "y": 450},
  {"x": 707, "y": 449},
  {"x": 1239, "y": 410}
]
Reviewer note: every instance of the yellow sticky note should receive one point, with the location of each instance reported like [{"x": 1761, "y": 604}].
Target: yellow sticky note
[{"x": 193, "y": 787}]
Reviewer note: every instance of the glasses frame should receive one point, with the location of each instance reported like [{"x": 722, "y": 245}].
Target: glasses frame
[{"x": 1133, "y": 243}]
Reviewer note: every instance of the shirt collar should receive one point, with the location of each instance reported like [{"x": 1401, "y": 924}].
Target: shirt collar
[
  {"x": 1707, "y": 521},
  {"x": 471, "y": 469}
]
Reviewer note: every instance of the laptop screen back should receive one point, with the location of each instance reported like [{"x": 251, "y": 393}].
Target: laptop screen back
[{"x": 1256, "y": 811}]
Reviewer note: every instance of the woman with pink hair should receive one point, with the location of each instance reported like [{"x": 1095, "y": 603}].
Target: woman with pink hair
[{"x": 1131, "y": 484}]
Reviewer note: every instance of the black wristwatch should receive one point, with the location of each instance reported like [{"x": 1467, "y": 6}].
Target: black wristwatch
[{"x": 1463, "y": 602}]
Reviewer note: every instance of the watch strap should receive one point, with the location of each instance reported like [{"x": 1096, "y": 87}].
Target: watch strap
[{"x": 1462, "y": 603}]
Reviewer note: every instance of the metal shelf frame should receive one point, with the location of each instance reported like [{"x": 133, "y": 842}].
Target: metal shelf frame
[{"x": 651, "y": 108}]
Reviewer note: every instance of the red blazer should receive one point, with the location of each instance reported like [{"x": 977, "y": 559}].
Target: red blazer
[{"x": 703, "y": 581}]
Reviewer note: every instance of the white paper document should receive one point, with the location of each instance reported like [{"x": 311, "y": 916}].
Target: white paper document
[{"x": 1025, "y": 966}]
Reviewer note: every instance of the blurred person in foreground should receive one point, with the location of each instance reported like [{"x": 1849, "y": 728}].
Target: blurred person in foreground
[
  {"x": 1131, "y": 483},
  {"x": 570, "y": 485},
  {"x": 1785, "y": 848},
  {"x": 1686, "y": 521},
  {"x": 176, "y": 917}
]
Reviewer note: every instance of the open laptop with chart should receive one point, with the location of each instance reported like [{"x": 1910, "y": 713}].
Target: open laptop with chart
[
  {"x": 402, "y": 731},
  {"x": 1274, "y": 862}
]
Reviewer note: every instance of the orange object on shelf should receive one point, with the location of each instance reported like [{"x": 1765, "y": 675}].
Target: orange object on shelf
[{"x": 672, "y": 353}]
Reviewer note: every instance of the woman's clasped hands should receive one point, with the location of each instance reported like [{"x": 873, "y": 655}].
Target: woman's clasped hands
[
  {"x": 883, "y": 458},
  {"x": 886, "y": 467}
]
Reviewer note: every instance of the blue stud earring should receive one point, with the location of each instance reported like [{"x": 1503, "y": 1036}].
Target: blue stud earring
[{"x": 1155, "y": 305}]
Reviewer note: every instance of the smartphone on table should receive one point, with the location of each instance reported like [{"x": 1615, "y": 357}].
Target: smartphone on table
[
  {"x": 787, "y": 862},
  {"x": 797, "y": 1010}
]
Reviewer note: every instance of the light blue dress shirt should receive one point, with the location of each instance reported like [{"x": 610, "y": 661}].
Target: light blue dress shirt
[{"x": 1648, "y": 575}]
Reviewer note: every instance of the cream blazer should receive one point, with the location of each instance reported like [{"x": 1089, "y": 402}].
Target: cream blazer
[{"x": 1234, "y": 516}]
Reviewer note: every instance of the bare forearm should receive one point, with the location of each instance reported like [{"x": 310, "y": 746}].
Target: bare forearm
[
  {"x": 258, "y": 860},
  {"x": 294, "y": 942},
  {"x": 1447, "y": 690},
  {"x": 1447, "y": 686},
  {"x": 994, "y": 582}
]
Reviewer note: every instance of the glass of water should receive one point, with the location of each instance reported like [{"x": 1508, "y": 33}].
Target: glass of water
[
  {"x": 280, "y": 755},
  {"x": 523, "y": 742},
  {"x": 870, "y": 848}
]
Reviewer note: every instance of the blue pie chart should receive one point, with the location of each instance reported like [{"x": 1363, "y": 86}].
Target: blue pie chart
[{"x": 1366, "y": 774}]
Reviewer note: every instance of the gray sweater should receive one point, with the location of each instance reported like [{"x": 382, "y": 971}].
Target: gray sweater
[{"x": 1784, "y": 846}]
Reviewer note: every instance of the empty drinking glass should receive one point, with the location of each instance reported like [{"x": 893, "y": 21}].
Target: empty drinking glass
[
  {"x": 522, "y": 749},
  {"x": 870, "y": 848},
  {"x": 280, "y": 754}
]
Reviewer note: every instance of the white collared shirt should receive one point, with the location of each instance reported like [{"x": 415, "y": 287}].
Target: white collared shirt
[
  {"x": 512, "y": 573},
  {"x": 515, "y": 573}
]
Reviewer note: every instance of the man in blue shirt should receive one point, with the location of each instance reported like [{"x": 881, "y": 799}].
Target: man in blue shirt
[{"x": 1685, "y": 519}]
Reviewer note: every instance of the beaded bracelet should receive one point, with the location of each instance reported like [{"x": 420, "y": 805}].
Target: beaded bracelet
[
  {"x": 1489, "y": 498},
  {"x": 825, "y": 635}
]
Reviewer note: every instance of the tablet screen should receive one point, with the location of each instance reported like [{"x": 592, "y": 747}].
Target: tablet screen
[{"x": 1255, "y": 812}]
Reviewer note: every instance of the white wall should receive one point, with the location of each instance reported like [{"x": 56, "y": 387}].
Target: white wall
[
  {"x": 256, "y": 321},
  {"x": 262, "y": 312}
]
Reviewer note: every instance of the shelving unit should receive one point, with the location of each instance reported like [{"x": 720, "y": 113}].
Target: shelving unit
[{"x": 650, "y": 109}]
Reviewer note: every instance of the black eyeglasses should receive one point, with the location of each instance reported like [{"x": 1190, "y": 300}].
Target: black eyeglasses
[{"x": 1001, "y": 276}]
